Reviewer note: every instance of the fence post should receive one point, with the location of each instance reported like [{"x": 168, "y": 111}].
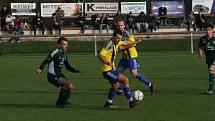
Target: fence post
[
  {"x": 191, "y": 42},
  {"x": 95, "y": 43}
]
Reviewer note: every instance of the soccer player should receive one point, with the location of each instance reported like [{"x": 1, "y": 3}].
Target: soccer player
[
  {"x": 107, "y": 57},
  {"x": 129, "y": 59},
  {"x": 55, "y": 60},
  {"x": 207, "y": 44}
]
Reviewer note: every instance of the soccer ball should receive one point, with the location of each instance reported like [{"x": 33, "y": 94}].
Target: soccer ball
[{"x": 138, "y": 95}]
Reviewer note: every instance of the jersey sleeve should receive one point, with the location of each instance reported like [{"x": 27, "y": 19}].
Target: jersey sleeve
[
  {"x": 69, "y": 67},
  {"x": 131, "y": 37},
  {"x": 120, "y": 43},
  {"x": 48, "y": 59},
  {"x": 105, "y": 49}
]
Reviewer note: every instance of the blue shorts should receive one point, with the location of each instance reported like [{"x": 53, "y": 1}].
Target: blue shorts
[
  {"x": 112, "y": 76},
  {"x": 129, "y": 63}
]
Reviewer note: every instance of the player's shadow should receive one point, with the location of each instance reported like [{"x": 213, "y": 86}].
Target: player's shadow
[
  {"x": 28, "y": 105},
  {"x": 90, "y": 91},
  {"x": 97, "y": 107},
  {"x": 25, "y": 92}
]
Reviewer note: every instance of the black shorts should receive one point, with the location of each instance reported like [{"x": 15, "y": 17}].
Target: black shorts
[{"x": 53, "y": 79}]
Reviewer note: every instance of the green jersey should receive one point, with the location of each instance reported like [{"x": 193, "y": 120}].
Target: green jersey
[
  {"x": 55, "y": 60},
  {"x": 209, "y": 48}
]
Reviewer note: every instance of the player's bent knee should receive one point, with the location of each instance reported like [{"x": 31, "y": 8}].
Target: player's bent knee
[
  {"x": 134, "y": 73},
  {"x": 69, "y": 86},
  {"x": 116, "y": 86}
]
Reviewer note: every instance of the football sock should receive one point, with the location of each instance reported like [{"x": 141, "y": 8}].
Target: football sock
[
  {"x": 63, "y": 96},
  {"x": 111, "y": 94},
  {"x": 143, "y": 79},
  {"x": 127, "y": 92},
  {"x": 211, "y": 79}
]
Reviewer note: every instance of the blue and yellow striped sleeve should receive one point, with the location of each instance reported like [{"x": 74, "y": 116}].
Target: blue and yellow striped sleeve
[{"x": 103, "y": 52}]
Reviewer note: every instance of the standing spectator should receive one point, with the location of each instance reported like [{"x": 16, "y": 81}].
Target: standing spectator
[
  {"x": 81, "y": 22},
  {"x": 130, "y": 22},
  {"x": 103, "y": 22},
  {"x": 117, "y": 17},
  {"x": 202, "y": 22},
  {"x": 19, "y": 30},
  {"x": 60, "y": 13},
  {"x": 4, "y": 12},
  {"x": 94, "y": 22},
  {"x": 141, "y": 22},
  {"x": 10, "y": 23},
  {"x": 191, "y": 21},
  {"x": 38, "y": 23},
  {"x": 55, "y": 23},
  {"x": 162, "y": 12},
  {"x": 152, "y": 22}
]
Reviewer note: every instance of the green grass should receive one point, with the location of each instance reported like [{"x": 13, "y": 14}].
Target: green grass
[
  {"x": 181, "y": 80},
  {"x": 80, "y": 45}
]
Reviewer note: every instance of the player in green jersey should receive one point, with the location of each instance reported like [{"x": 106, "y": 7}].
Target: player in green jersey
[
  {"x": 207, "y": 44},
  {"x": 55, "y": 60}
]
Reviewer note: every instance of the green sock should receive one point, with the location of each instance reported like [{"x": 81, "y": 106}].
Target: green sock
[{"x": 211, "y": 79}]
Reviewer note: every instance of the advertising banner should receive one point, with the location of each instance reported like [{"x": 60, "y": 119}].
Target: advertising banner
[
  {"x": 173, "y": 7},
  {"x": 100, "y": 8},
  {"x": 23, "y": 9},
  {"x": 70, "y": 9},
  {"x": 134, "y": 7},
  {"x": 203, "y": 6}
]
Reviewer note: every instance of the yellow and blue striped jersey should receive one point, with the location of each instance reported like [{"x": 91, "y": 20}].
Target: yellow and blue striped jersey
[
  {"x": 109, "y": 53},
  {"x": 129, "y": 52}
]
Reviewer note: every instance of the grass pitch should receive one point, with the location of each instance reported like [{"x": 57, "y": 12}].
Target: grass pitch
[{"x": 181, "y": 81}]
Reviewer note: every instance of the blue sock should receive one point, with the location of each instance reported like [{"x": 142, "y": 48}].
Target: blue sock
[
  {"x": 111, "y": 94},
  {"x": 143, "y": 79},
  {"x": 127, "y": 92}
]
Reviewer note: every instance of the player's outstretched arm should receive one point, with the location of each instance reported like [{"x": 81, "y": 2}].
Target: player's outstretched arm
[
  {"x": 43, "y": 64},
  {"x": 128, "y": 44},
  {"x": 70, "y": 68}
]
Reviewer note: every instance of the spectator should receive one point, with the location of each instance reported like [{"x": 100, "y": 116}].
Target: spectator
[
  {"x": 81, "y": 19},
  {"x": 152, "y": 22},
  {"x": 130, "y": 22},
  {"x": 94, "y": 22},
  {"x": 103, "y": 22},
  {"x": 38, "y": 22},
  {"x": 55, "y": 23},
  {"x": 10, "y": 23},
  {"x": 19, "y": 30},
  {"x": 162, "y": 12},
  {"x": 4, "y": 12},
  {"x": 60, "y": 13},
  {"x": 141, "y": 22},
  {"x": 191, "y": 21},
  {"x": 202, "y": 22}
]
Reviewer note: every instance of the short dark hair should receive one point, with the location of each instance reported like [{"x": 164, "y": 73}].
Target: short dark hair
[
  {"x": 62, "y": 39},
  {"x": 120, "y": 19},
  {"x": 210, "y": 26}
]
